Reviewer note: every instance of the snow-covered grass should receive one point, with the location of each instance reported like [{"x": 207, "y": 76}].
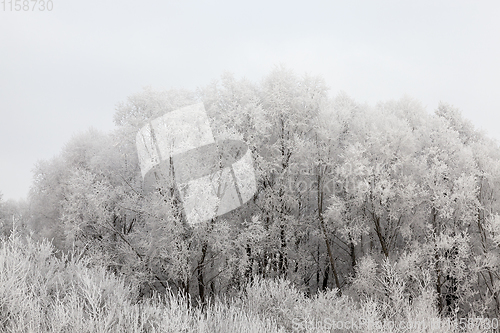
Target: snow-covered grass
[{"x": 42, "y": 293}]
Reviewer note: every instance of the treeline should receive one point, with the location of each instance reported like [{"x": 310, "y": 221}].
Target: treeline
[{"x": 346, "y": 193}]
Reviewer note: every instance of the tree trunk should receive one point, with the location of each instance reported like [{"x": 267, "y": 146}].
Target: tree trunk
[
  {"x": 249, "y": 270},
  {"x": 378, "y": 230},
  {"x": 439, "y": 282},
  {"x": 325, "y": 278},
  {"x": 282, "y": 260},
  {"x": 325, "y": 235},
  {"x": 353, "y": 254},
  {"x": 332, "y": 260},
  {"x": 201, "y": 282}
]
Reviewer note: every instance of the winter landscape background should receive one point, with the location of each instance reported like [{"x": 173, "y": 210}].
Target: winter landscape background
[{"x": 372, "y": 128}]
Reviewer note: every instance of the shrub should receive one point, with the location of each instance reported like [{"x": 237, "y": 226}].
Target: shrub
[{"x": 42, "y": 293}]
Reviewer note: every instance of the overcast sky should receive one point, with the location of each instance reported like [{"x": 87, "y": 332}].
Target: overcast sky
[{"x": 63, "y": 71}]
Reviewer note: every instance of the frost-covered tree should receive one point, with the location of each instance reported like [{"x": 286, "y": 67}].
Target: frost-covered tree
[{"x": 389, "y": 201}]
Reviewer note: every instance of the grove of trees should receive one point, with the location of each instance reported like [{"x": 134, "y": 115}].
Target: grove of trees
[{"x": 371, "y": 201}]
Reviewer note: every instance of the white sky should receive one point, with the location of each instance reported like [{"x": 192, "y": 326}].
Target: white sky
[{"x": 64, "y": 71}]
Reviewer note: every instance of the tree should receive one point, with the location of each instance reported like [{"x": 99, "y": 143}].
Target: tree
[
  {"x": 4, "y": 226},
  {"x": 386, "y": 201}
]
